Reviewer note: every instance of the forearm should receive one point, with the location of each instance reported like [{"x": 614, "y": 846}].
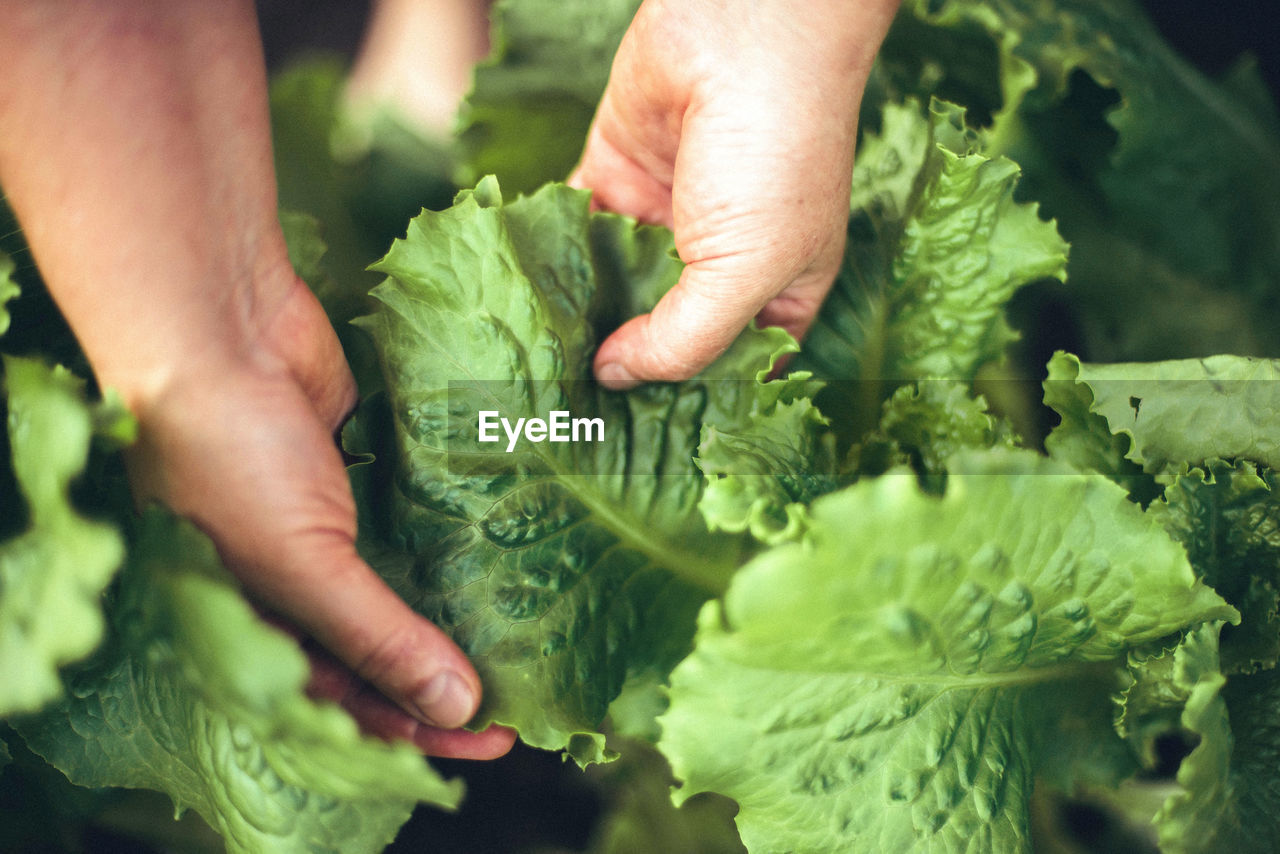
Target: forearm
[{"x": 135, "y": 150}]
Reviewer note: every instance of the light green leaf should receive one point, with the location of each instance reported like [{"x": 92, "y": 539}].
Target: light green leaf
[
  {"x": 924, "y": 425},
  {"x": 762, "y": 472},
  {"x": 884, "y": 685},
  {"x": 53, "y": 574},
  {"x": 937, "y": 246},
  {"x": 527, "y": 116},
  {"x": 1183, "y": 688},
  {"x": 198, "y": 698},
  {"x": 563, "y": 568},
  {"x": 1082, "y": 437},
  {"x": 1201, "y": 816},
  {"x": 1163, "y": 180},
  {"x": 1185, "y": 411},
  {"x": 8, "y": 289}
]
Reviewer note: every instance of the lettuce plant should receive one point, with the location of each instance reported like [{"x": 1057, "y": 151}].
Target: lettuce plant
[{"x": 864, "y": 599}]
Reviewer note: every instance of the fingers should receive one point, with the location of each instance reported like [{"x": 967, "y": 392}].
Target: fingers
[
  {"x": 351, "y": 612},
  {"x": 688, "y": 328},
  {"x": 701, "y": 316},
  {"x": 247, "y": 457},
  {"x": 620, "y": 182},
  {"x": 377, "y": 716}
]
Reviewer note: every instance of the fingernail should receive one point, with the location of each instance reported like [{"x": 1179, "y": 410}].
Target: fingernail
[
  {"x": 446, "y": 702},
  {"x": 613, "y": 375}
]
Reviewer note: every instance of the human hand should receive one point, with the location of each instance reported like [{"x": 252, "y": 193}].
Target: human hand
[
  {"x": 148, "y": 199},
  {"x": 245, "y": 448},
  {"x": 734, "y": 125}
]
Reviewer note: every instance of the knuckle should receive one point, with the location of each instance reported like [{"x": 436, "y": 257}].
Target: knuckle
[
  {"x": 675, "y": 361},
  {"x": 389, "y": 656}
]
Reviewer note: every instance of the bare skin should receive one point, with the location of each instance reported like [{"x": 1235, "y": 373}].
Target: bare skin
[
  {"x": 135, "y": 150},
  {"x": 733, "y": 124},
  {"x": 417, "y": 58}
]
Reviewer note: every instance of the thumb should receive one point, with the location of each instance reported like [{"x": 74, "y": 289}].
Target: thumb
[
  {"x": 350, "y": 611},
  {"x": 690, "y": 326}
]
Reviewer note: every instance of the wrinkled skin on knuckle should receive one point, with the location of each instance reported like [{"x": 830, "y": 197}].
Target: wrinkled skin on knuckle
[{"x": 396, "y": 651}]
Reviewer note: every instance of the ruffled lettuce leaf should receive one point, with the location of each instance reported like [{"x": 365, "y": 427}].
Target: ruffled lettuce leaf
[
  {"x": 762, "y": 472},
  {"x": 197, "y": 697},
  {"x": 1181, "y": 687},
  {"x": 563, "y": 569},
  {"x": 1226, "y": 798},
  {"x": 530, "y": 107},
  {"x": 1173, "y": 414},
  {"x": 1163, "y": 180},
  {"x": 937, "y": 246},
  {"x": 54, "y": 571},
  {"x": 1082, "y": 437},
  {"x": 1225, "y": 688},
  {"x": 923, "y": 426},
  {"x": 1228, "y": 519},
  {"x": 857, "y": 691}
]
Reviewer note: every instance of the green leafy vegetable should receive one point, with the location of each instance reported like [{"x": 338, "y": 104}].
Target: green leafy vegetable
[
  {"x": 912, "y": 677},
  {"x": 937, "y": 246},
  {"x": 52, "y": 575},
  {"x": 1163, "y": 180},
  {"x": 1082, "y": 437},
  {"x": 1204, "y": 814},
  {"x": 1185, "y": 411},
  {"x": 1228, "y": 518},
  {"x": 560, "y": 568},
  {"x": 641, "y": 817},
  {"x": 8, "y": 289},
  {"x": 528, "y": 113},
  {"x": 924, "y": 426},
  {"x": 196, "y": 697},
  {"x": 762, "y": 473},
  {"x": 903, "y": 622}
]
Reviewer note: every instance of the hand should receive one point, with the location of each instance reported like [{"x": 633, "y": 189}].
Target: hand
[
  {"x": 141, "y": 173},
  {"x": 734, "y": 125},
  {"x": 245, "y": 448}
]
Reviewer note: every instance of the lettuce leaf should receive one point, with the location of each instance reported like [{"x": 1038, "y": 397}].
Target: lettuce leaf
[
  {"x": 527, "y": 116},
  {"x": 763, "y": 472},
  {"x": 8, "y": 289},
  {"x": 53, "y": 573},
  {"x": 1082, "y": 437},
  {"x": 937, "y": 246},
  {"x": 197, "y": 697},
  {"x": 1186, "y": 682},
  {"x": 1228, "y": 518},
  {"x": 1176, "y": 413},
  {"x": 924, "y": 426},
  {"x": 862, "y": 691},
  {"x": 640, "y": 816},
  {"x": 562, "y": 569},
  {"x": 1163, "y": 180}
]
